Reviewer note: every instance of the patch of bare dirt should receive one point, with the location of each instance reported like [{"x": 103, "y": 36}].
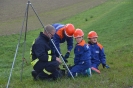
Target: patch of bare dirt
[{"x": 49, "y": 11}]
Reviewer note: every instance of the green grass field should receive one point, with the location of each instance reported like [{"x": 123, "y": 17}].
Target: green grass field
[{"x": 113, "y": 21}]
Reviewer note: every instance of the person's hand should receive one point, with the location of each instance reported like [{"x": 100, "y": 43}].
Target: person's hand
[
  {"x": 58, "y": 59},
  {"x": 104, "y": 65},
  {"x": 67, "y": 55}
]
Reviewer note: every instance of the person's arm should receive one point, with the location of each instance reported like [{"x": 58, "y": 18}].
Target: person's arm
[
  {"x": 69, "y": 46},
  {"x": 103, "y": 59},
  {"x": 85, "y": 54},
  {"x": 41, "y": 54},
  {"x": 102, "y": 56},
  {"x": 57, "y": 44},
  {"x": 69, "y": 43},
  {"x": 79, "y": 55}
]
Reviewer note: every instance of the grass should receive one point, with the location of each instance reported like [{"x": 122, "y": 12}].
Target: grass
[{"x": 112, "y": 21}]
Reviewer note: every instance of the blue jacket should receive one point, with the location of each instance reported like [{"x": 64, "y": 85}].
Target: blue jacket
[
  {"x": 97, "y": 53},
  {"x": 82, "y": 54},
  {"x": 60, "y": 37}
]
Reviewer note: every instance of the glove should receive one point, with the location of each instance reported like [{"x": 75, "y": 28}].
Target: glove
[
  {"x": 107, "y": 66},
  {"x": 67, "y": 55},
  {"x": 104, "y": 65},
  {"x": 64, "y": 59}
]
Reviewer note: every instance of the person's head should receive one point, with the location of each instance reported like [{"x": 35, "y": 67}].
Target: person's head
[
  {"x": 69, "y": 30},
  {"x": 92, "y": 36},
  {"x": 78, "y": 35},
  {"x": 49, "y": 31}
]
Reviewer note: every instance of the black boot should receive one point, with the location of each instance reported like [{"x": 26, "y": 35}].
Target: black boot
[
  {"x": 63, "y": 72},
  {"x": 34, "y": 74},
  {"x": 57, "y": 74}
]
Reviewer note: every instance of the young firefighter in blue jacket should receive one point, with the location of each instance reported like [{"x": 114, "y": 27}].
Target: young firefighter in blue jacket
[
  {"x": 63, "y": 33},
  {"x": 97, "y": 51},
  {"x": 44, "y": 61},
  {"x": 82, "y": 59}
]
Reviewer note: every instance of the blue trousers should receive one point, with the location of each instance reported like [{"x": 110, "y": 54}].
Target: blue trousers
[
  {"x": 95, "y": 64},
  {"x": 78, "y": 69}
]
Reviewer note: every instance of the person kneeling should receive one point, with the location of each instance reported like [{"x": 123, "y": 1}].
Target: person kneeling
[
  {"x": 44, "y": 61},
  {"x": 97, "y": 52},
  {"x": 82, "y": 59}
]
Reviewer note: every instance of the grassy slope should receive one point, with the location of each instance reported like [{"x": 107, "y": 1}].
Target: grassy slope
[{"x": 112, "y": 21}]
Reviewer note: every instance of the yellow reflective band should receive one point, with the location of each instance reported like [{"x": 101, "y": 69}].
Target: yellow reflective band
[
  {"x": 34, "y": 62},
  {"x": 49, "y": 57},
  {"x": 31, "y": 50},
  {"x": 49, "y": 52},
  {"x": 45, "y": 71}
]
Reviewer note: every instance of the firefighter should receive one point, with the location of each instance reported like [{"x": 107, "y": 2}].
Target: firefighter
[
  {"x": 97, "y": 51},
  {"x": 44, "y": 61},
  {"x": 63, "y": 33},
  {"x": 82, "y": 59}
]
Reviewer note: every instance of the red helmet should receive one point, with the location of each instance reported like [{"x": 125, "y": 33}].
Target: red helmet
[
  {"x": 78, "y": 33},
  {"x": 69, "y": 30},
  {"x": 92, "y": 34}
]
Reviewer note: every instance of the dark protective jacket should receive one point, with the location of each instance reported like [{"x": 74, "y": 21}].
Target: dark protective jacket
[
  {"x": 41, "y": 50},
  {"x": 97, "y": 53},
  {"x": 60, "y": 37}
]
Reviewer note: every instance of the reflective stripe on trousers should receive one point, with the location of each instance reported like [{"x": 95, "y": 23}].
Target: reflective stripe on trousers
[
  {"x": 34, "y": 62},
  {"x": 45, "y": 71}
]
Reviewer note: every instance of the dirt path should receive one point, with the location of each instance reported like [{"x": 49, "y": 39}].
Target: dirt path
[{"x": 50, "y": 11}]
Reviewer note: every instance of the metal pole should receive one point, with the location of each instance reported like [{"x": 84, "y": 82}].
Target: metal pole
[
  {"x": 16, "y": 50},
  {"x": 24, "y": 40}
]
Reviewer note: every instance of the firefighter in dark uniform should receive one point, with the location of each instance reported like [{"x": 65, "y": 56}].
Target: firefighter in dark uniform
[{"x": 44, "y": 61}]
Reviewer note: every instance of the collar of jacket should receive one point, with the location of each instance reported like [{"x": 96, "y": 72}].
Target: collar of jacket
[
  {"x": 91, "y": 43},
  {"x": 82, "y": 43},
  {"x": 44, "y": 36}
]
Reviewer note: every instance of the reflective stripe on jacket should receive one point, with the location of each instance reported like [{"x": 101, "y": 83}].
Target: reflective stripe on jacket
[{"x": 41, "y": 50}]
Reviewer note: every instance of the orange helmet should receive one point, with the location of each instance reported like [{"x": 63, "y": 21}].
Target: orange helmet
[
  {"x": 78, "y": 33},
  {"x": 69, "y": 30},
  {"x": 92, "y": 34}
]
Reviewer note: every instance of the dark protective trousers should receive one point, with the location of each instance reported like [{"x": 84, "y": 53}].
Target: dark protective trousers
[{"x": 48, "y": 66}]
